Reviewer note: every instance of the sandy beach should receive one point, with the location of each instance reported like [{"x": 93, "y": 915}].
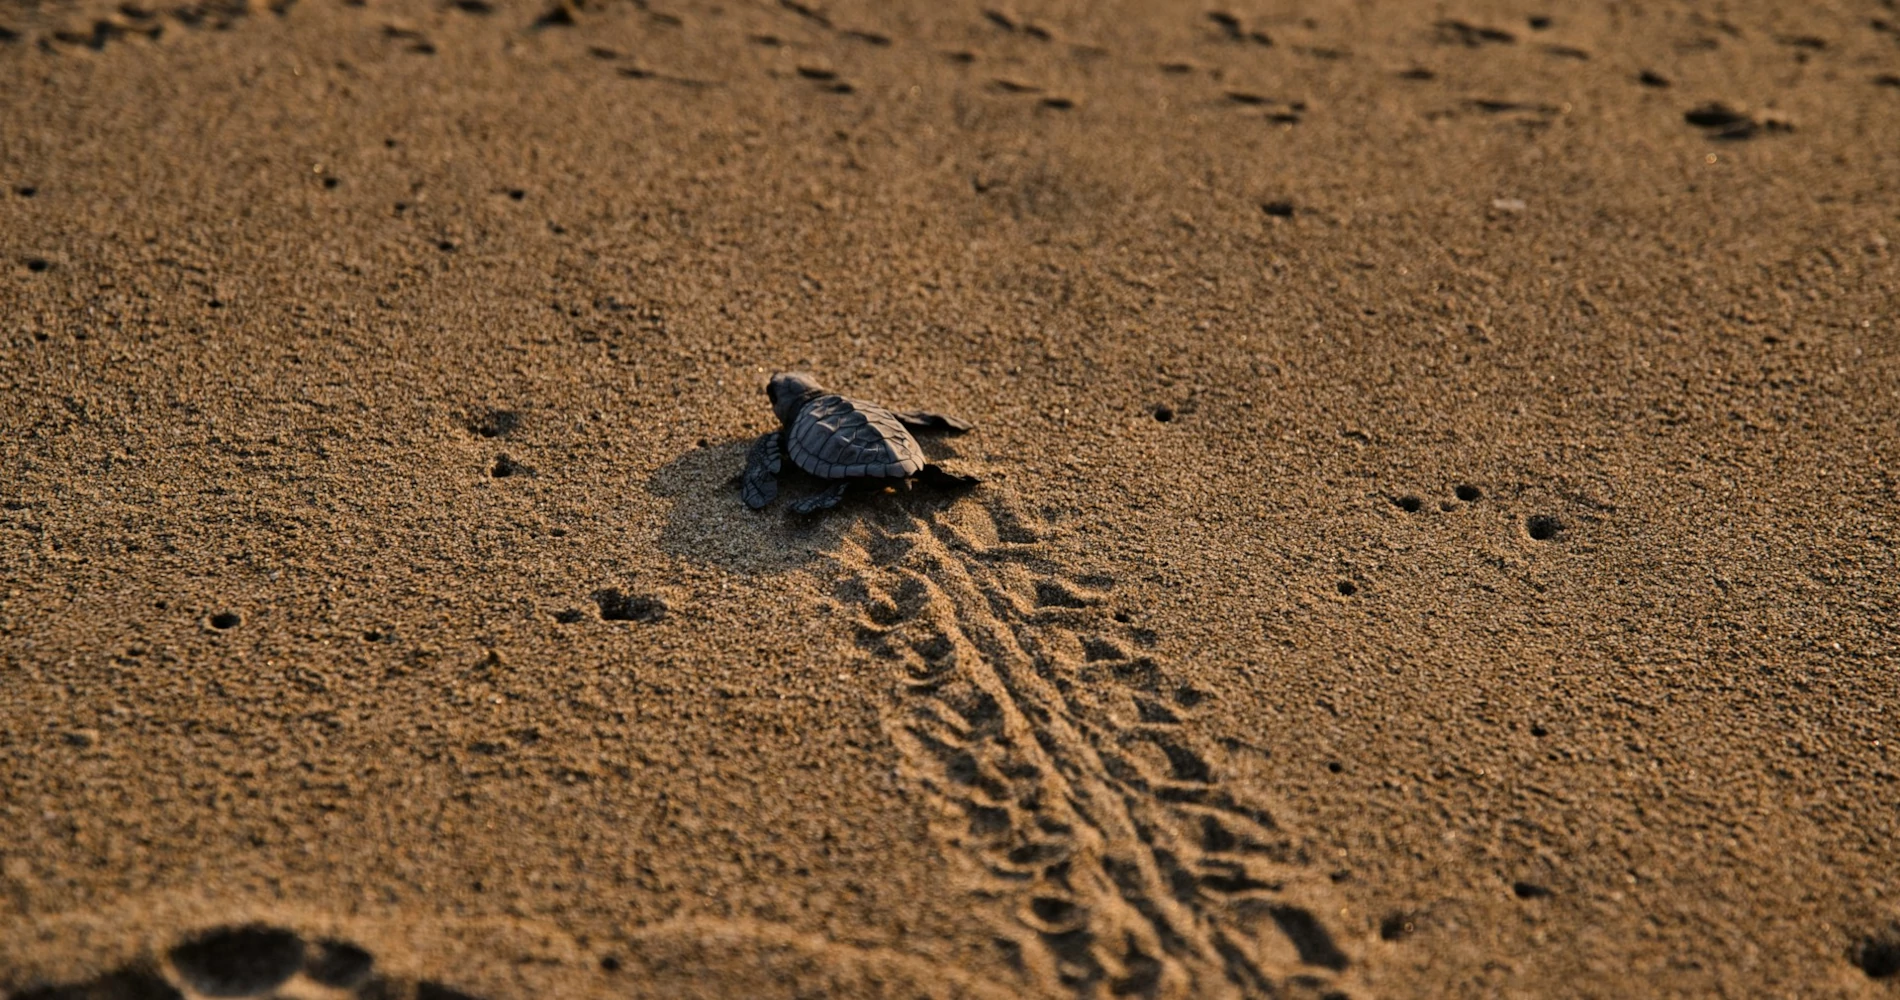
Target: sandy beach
[{"x": 1438, "y": 530}]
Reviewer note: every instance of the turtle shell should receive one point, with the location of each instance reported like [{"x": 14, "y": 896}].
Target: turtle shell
[{"x": 839, "y": 438}]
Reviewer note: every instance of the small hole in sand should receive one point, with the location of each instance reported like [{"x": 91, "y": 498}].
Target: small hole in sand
[
  {"x": 1347, "y": 588},
  {"x": 1278, "y": 209},
  {"x": 1468, "y": 493},
  {"x": 1529, "y": 890},
  {"x": 38, "y": 264},
  {"x": 618, "y": 607},
  {"x": 445, "y": 246},
  {"x": 330, "y": 183},
  {"x": 1714, "y": 114},
  {"x": 1124, "y": 617},
  {"x": 1395, "y": 926},
  {"x": 1409, "y": 504},
  {"x": 1335, "y": 766},
  {"x": 517, "y": 194},
  {"x": 26, "y": 191},
  {"x": 609, "y": 963},
  {"x": 1164, "y": 413},
  {"x": 1543, "y": 527},
  {"x": 495, "y": 423},
  {"x": 225, "y": 619},
  {"x": 1539, "y": 731}
]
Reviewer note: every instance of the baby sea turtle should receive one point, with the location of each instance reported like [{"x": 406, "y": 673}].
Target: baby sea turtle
[{"x": 840, "y": 440}]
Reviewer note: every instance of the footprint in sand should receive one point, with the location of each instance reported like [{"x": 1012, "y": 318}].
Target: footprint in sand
[{"x": 248, "y": 960}]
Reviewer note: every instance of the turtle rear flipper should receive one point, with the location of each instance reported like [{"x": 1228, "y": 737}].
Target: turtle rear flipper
[
  {"x": 942, "y": 478},
  {"x": 762, "y": 462},
  {"x": 824, "y": 500},
  {"x": 923, "y": 420}
]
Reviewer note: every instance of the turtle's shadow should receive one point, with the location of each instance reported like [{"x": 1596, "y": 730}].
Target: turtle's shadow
[{"x": 709, "y": 525}]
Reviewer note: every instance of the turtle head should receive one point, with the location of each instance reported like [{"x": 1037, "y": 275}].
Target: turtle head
[{"x": 789, "y": 391}]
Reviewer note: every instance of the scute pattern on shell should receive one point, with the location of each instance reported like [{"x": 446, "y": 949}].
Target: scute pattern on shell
[{"x": 839, "y": 438}]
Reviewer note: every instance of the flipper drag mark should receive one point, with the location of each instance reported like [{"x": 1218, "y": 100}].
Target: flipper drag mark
[{"x": 1067, "y": 776}]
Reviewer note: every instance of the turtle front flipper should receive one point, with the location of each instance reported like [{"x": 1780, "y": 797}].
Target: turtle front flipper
[
  {"x": 824, "y": 500},
  {"x": 938, "y": 423},
  {"x": 762, "y": 462}
]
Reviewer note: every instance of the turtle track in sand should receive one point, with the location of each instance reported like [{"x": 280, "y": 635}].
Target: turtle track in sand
[{"x": 1067, "y": 777}]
